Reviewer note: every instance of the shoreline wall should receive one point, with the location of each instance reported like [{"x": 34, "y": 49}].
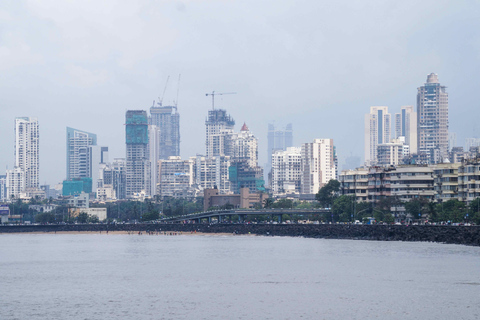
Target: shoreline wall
[{"x": 465, "y": 235}]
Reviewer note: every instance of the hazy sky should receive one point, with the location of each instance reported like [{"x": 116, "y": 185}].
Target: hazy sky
[{"x": 317, "y": 64}]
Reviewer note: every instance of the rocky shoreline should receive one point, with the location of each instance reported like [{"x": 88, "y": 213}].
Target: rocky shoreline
[{"x": 465, "y": 235}]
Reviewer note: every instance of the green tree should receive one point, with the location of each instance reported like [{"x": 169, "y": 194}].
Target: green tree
[
  {"x": 93, "y": 219},
  {"x": 417, "y": 207},
  {"x": 82, "y": 217},
  {"x": 327, "y": 194},
  {"x": 474, "y": 211},
  {"x": 150, "y": 216},
  {"x": 283, "y": 204},
  {"x": 454, "y": 210},
  {"x": 267, "y": 203},
  {"x": 46, "y": 217},
  {"x": 342, "y": 208}
]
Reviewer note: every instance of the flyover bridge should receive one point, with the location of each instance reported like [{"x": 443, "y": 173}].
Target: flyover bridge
[{"x": 221, "y": 215}]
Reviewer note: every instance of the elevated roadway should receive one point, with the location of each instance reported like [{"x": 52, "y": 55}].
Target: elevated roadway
[{"x": 221, "y": 215}]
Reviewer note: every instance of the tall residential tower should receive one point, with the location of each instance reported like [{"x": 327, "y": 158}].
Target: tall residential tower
[
  {"x": 406, "y": 126},
  {"x": 377, "y": 131},
  {"x": 137, "y": 154},
  {"x": 218, "y": 126},
  {"x": 432, "y": 119},
  {"x": 167, "y": 119}
]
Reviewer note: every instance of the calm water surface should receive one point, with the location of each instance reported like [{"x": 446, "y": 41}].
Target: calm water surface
[{"x": 99, "y": 276}]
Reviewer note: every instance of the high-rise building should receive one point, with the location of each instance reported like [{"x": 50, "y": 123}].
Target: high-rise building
[
  {"x": 168, "y": 120},
  {"x": 406, "y": 126},
  {"x": 377, "y": 131},
  {"x": 242, "y": 146},
  {"x": 78, "y": 153},
  {"x": 119, "y": 166},
  {"x": 137, "y": 153},
  {"x": 84, "y": 156},
  {"x": 98, "y": 159},
  {"x": 278, "y": 139},
  {"x": 27, "y": 150},
  {"x": 432, "y": 119},
  {"x": 318, "y": 165},
  {"x": 218, "y": 126},
  {"x": 286, "y": 171},
  {"x": 213, "y": 172},
  {"x": 176, "y": 178},
  {"x": 154, "y": 134},
  {"x": 242, "y": 175},
  {"x": 15, "y": 182},
  {"x": 391, "y": 153},
  {"x": 3, "y": 188}
]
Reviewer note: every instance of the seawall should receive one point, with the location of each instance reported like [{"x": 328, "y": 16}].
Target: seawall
[{"x": 466, "y": 235}]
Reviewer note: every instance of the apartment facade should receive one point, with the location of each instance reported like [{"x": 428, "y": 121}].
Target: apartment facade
[
  {"x": 318, "y": 165},
  {"x": 432, "y": 120},
  {"x": 27, "y": 139},
  {"x": 377, "y": 131}
]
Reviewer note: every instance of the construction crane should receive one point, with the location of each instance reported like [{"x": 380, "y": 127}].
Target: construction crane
[
  {"x": 213, "y": 94},
  {"x": 160, "y": 100}
]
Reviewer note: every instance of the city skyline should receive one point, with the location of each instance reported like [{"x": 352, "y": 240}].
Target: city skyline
[{"x": 319, "y": 74}]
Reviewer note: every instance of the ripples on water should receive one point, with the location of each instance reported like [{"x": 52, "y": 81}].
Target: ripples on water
[{"x": 98, "y": 276}]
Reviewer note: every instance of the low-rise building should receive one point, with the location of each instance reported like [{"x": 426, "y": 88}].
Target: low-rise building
[
  {"x": 446, "y": 181},
  {"x": 409, "y": 182},
  {"x": 354, "y": 183},
  {"x": 244, "y": 200},
  {"x": 469, "y": 180}
]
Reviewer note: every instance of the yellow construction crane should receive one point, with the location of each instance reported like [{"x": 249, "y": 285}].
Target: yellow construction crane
[{"x": 213, "y": 94}]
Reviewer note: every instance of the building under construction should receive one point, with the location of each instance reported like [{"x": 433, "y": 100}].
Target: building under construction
[
  {"x": 138, "y": 169},
  {"x": 168, "y": 120}
]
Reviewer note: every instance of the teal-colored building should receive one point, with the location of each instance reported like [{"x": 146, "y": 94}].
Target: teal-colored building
[{"x": 77, "y": 186}]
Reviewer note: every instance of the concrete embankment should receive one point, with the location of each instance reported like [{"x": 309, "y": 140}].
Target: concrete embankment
[{"x": 466, "y": 235}]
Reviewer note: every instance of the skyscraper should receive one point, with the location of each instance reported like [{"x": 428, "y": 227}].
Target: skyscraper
[
  {"x": 286, "y": 171},
  {"x": 137, "y": 153},
  {"x": 27, "y": 150},
  {"x": 168, "y": 120},
  {"x": 278, "y": 139},
  {"x": 406, "y": 126},
  {"x": 318, "y": 165},
  {"x": 218, "y": 126},
  {"x": 243, "y": 146},
  {"x": 79, "y": 153},
  {"x": 432, "y": 119},
  {"x": 377, "y": 131}
]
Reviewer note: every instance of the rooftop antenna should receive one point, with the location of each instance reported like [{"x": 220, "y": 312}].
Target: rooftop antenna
[
  {"x": 160, "y": 100},
  {"x": 213, "y": 94}
]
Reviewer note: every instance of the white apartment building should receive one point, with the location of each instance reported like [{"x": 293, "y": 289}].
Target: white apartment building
[
  {"x": 432, "y": 120},
  {"x": 286, "y": 171},
  {"x": 15, "y": 182},
  {"x": 243, "y": 146},
  {"x": 406, "y": 126},
  {"x": 218, "y": 126},
  {"x": 176, "y": 177},
  {"x": 213, "y": 172},
  {"x": 390, "y": 153},
  {"x": 318, "y": 165},
  {"x": 377, "y": 131},
  {"x": 154, "y": 154},
  {"x": 27, "y": 151},
  {"x": 3, "y": 188}
]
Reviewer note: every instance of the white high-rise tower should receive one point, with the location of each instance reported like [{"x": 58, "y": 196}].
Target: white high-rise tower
[
  {"x": 27, "y": 150},
  {"x": 377, "y": 131}
]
